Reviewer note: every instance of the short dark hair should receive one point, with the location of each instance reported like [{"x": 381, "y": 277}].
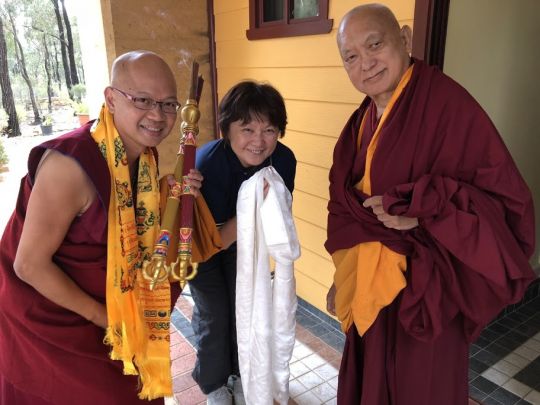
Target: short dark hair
[{"x": 249, "y": 99}]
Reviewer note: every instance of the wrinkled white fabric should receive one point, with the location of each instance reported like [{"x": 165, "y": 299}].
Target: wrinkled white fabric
[{"x": 265, "y": 311}]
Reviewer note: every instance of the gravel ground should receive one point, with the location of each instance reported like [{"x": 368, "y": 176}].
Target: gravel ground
[{"x": 17, "y": 149}]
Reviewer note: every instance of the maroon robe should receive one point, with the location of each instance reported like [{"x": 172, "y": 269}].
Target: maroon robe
[
  {"x": 49, "y": 354},
  {"x": 441, "y": 160}
]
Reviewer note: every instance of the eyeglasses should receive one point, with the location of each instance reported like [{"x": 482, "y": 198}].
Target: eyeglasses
[{"x": 147, "y": 103}]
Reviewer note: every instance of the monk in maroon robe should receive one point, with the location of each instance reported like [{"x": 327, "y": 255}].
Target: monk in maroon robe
[
  {"x": 53, "y": 254},
  {"x": 430, "y": 223}
]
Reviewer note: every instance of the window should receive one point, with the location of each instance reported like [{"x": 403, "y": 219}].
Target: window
[{"x": 287, "y": 18}]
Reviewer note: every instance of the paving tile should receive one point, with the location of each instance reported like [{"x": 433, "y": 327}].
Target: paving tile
[
  {"x": 473, "y": 349},
  {"x": 494, "y": 331},
  {"x": 336, "y": 362},
  {"x": 183, "y": 382},
  {"x": 507, "y": 368},
  {"x": 519, "y": 317},
  {"x": 528, "y": 329},
  {"x": 477, "y": 365},
  {"x": 517, "y": 336},
  {"x": 491, "y": 401},
  {"x": 495, "y": 376},
  {"x": 329, "y": 353},
  {"x": 509, "y": 322},
  {"x": 530, "y": 374},
  {"x": 304, "y": 335},
  {"x": 516, "y": 387},
  {"x": 484, "y": 385},
  {"x": 300, "y": 351},
  {"x": 517, "y": 360},
  {"x": 334, "y": 340},
  {"x": 333, "y": 382},
  {"x": 526, "y": 353},
  {"x": 333, "y": 401},
  {"x": 183, "y": 364},
  {"x": 175, "y": 337},
  {"x": 527, "y": 310},
  {"x": 313, "y": 361},
  {"x": 310, "y": 380},
  {"x": 482, "y": 342},
  {"x": 498, "y": 350},
  {"x": 486, "y": 357},
  {"x": 307, "y": 321},
  {"x": 326, "y": 371},
  {"x": 533, "y": 397},
  {"x": 190, "y": 396},
  {"x": 316, "y": 344},
  {"x": 324, "y": 392},
  {"x": 472, "y": 375},
  {"x": 181, "y": 349},
  {"x": 476, "y": 394},
  {"x": 523, "y": 402},
  {"x": 307, "y": 398},
  {"x": 319, "y": 345},
  {"x": 504, "y": 397},
  {"x": 533, "y": 344},
  {"x": 320, "y": 329},
  {"x": 509, "y": 343},
  {"x": 298, "y": 368},
  {"x": 296, "y": 388}
]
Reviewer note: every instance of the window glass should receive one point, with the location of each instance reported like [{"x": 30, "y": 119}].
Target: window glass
[
  {"x": 287, "y": 18},
  {"x": 305, "y": 8},
  {"x": 273, "y": 10}
]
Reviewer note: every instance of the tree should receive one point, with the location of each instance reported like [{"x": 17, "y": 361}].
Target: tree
[
  {"x": 19, "y": 53},
  {"x": 63, "y": 47},
  {"x": 8, "y": 102},
  {"x": 70, "y": 47},
  {"x": 48, "y": 73}
]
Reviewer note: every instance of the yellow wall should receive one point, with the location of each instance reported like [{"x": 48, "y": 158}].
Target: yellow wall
[
  {"x": 496, "y": 58},
  {"x": 307, "y": 70},
  {"x": 175, "y": 29}
]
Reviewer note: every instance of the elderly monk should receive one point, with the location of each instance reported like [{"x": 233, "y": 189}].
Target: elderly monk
[
  {"x": 430, "y": 224},
  {"x": 70, "y": 257}
]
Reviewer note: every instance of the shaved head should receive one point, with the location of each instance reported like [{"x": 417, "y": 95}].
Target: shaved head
[
  {"x": 376, "y": 13},
  {"x": 141, "y": 78},
  {"x": 375, "y": 51},
  {"x": 127, "y": 67}
]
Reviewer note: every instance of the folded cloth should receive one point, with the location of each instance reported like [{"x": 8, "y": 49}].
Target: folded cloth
[
  {"x": 206, "y": 239},
  {"x": 265, "y": 310}
]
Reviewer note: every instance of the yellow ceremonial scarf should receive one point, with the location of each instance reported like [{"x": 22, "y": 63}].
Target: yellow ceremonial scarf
[
  {"x": 369, "y": 275},
  {"x": 138, "y": 318}
]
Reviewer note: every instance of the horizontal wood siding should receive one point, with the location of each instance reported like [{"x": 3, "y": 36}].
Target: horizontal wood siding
[{"x": 307, "y": 70}]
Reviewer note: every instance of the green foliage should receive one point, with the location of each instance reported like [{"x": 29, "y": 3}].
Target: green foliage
[
  {"x": 47, "y": 120},
  {"x": 78, "y": 91},
  {"x": 80, "y": 108},
  {"x": 35, "y": 23},
  {"x": 21, "y": 113},
  {"x": 3, "y": 155},
  {"x": 3, "y": 120}
]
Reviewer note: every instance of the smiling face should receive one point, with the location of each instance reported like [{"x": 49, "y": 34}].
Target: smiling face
[
  {"x": 254, "y": 141},
  {"x": 141, "y": 75},
  {"x": 375, "y": 52}
]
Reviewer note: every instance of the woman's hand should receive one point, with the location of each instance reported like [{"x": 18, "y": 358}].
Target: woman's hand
[
  {"x": 390, "y": 221},
  {"x": 194, "y": 180}
]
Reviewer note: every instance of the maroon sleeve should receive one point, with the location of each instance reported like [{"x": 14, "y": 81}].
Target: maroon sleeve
[{"x": 469, "y": 240}]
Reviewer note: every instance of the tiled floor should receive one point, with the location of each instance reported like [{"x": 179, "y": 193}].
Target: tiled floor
[{"x": 504, "y": 361}]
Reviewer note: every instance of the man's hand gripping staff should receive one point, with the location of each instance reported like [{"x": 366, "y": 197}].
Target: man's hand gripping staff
[{"x": 157, "y": 270}]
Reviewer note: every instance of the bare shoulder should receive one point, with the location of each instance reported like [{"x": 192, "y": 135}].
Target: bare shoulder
[{"x": 61, "y": 179}]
